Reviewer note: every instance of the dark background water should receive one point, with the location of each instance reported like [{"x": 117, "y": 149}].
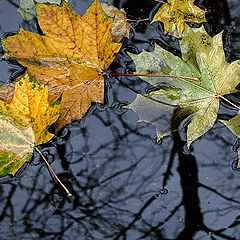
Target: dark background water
[{"x": 124, "y": 184}]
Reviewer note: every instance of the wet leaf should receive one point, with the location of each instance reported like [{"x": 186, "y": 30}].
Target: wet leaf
[
  {"x": 151, "y": 111},
  {"x": 174, "y": 14},
  {"x": 16, "y": 146},
  {"x": 24, "y": 123},
  {"x": 202, "y": 56},
  {"x": 27, "y": 8},
  {"x": 233, "y": 124},
  {"x": 7, "y": 91},
  {"x": 70, "y": 57},
  {"x": 120, "y": 27}
]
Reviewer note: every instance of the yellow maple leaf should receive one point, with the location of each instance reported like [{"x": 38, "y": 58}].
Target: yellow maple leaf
[
  {"x": 174, "y": 14},
  {"x": 70, "y": 57},
  {"x": 30, "y": 107},
  {"x": 24, "y": 123}
]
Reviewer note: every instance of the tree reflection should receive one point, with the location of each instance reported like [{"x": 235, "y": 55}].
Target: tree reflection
[{"x": 124, "y": 184}]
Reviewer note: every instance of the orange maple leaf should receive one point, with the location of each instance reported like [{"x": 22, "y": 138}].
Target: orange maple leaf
[{"x": 70, "y": 57}]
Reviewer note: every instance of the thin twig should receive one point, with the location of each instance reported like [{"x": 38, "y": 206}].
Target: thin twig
[
  {"x": 197, "y": 79},
  {"x": 226, "y": 100},
  {"x": 45, "y": 160}
]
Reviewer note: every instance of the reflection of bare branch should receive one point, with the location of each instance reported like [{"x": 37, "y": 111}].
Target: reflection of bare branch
[
  {"x": 136, "y": 218},
  {"x": 168, "y": 173},
  {"x": 188, "y": 172},
  {"x": 116, "y": 173},
  {"x": 217, "y": 193},
  {"x": 9, "y": 205},
  {"x": 154, "y": 228}
]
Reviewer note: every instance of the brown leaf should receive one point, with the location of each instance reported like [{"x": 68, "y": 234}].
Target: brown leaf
[{"x": 120, "y": 27}]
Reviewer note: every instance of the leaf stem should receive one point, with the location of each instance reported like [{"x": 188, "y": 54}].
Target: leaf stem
[
  {"x": 223, "y": 98},
  {"x": 197, "y": 79},
  {"x": 184, "y": 78},
  {"x": 49, "y": 166}
]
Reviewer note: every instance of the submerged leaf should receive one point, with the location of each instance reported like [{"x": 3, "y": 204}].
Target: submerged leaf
[
  {"x": 202, "y": 56},
  {"x": 153, "y": 112},
  {"x": 174, "y": 14},
  {"x": 70, "y": 57},
  {"x": 24, "y": 123}
]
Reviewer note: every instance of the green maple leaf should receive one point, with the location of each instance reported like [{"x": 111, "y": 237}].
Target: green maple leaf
[{"x": 202, "y": 56}]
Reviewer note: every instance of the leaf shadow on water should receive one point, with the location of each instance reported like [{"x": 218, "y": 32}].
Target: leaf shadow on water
[{"x": 124, "y": 184}]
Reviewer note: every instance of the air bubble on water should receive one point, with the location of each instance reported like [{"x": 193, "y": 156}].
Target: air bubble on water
[{"x": 45, "y": 153}]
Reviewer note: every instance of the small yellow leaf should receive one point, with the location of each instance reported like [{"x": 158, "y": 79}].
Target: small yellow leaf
[
  {"x": 174, "y": 14},
  {"x": 24, "y": 123},
  {"x": 30, "y": 107},
  {"x": 69, "y": 57}
]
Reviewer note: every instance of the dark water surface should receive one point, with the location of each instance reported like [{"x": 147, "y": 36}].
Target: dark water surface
[{"x": 124, "y": 184}]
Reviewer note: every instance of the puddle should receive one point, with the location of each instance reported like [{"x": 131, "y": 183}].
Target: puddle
[{"x": 124, "y": 184}]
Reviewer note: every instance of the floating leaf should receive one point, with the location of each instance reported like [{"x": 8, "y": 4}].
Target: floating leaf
[
  {"x": 70, "y": 57},
  {"x": 174, "y": 14},
  {"x": 202, "y": 56},
  {"x": 120, "y": 26},
  {"x": 24, "y": 123}
]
